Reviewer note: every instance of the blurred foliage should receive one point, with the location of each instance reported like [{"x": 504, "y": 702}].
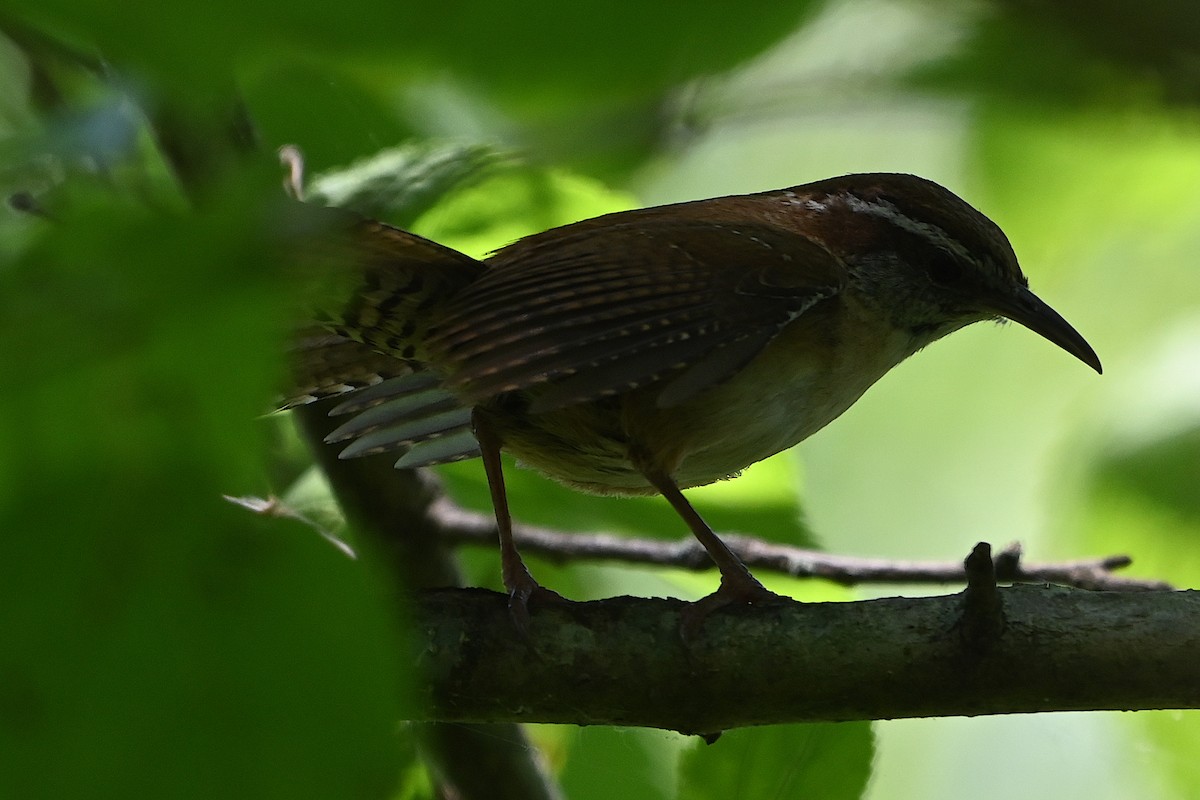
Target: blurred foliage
[
  {"x": 1160, "y": 39},
  {"x": 1051, "y": 69},
  {"x": 1161, "y": 473},
  {"x": 786, "y": 762},
  {"x": 567, "y": 50},
  {"x": 560, "y": 61},
  {"x": 158, "y": 641},
  {"x": 400, "y": 184},
  {"x": 1079, "y": 53},
  {"x": 601, "y": 759}
]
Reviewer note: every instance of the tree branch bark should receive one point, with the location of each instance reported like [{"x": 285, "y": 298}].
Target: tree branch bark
[{"x": 623, "y": 662}]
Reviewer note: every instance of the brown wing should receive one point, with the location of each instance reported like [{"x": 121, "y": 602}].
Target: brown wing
[{"x": 583, "y": 312}]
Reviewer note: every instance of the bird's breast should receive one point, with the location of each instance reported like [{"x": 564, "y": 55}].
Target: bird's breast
[{"x": 814, "y": 370}]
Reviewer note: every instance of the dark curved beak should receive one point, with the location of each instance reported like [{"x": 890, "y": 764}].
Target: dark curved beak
[{"x": 1027, "y": 309}]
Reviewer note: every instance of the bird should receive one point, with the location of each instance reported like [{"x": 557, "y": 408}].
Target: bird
[{"x": 653, "y": 350}]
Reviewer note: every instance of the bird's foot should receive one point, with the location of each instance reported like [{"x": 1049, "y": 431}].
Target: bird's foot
[
  {"x": 740, "y": 590},
  {"x": 521, "y": 593}
]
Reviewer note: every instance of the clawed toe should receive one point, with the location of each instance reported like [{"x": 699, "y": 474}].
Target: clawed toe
[
  {"x": 519, "y": 598},
  {"x": 729, "y": 593}
]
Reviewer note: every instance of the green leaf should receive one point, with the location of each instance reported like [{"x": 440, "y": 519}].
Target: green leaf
[
  {"x": 603, "y": 762},
  {"x": 159, "y": 641},
  {"x": 829, "y": 761},
  {"x": 1175, "y": 736},
  {"x": 514, "y": 202},
  {"x": 574, "y": 54},
  {"x": 402, "y": 183},
  {"x": 333, "y": 114},
  {"x": 1160, "y": 472}
]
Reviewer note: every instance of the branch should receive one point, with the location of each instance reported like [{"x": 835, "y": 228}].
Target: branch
[
  {"x": 622, "y": 661},
  {"x": 459, "y": 525}
]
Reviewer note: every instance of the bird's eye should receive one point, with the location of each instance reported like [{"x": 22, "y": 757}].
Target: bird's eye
[{"x": 943, "y": 268}]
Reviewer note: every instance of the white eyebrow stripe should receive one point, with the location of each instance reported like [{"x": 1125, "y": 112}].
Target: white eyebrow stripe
[
  {"x": 888, "y": 211},
  {"x": 793, "y": 199}
]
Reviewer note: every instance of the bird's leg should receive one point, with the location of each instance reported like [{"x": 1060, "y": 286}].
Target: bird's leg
[
  {"x": 518, "y": 581},
  {"x": 737, "y": 584}
]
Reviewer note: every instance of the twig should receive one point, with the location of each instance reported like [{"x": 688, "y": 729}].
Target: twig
[
  {"x": 275, "y": 507},
  {"x": 456, "y": 525},
  {"x": 462, "y": 526}
]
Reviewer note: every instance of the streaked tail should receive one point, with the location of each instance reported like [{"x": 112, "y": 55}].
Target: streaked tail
[{"x": 379, "y": 289}]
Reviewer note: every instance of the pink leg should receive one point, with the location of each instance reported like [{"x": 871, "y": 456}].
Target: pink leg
[
  {"x": 737, "y": 584},
  {"x": 518, "y": 581}
]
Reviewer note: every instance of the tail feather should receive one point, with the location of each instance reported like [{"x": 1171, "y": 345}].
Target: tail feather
[
  {"x": 457, "y": 446},
  {"x": 385, "y": 391},
  {"x": 381, "y": 288},
  {"x": 402, "y": 279},
  {"x": 412, "y": 415},
  {"x": 409, "y": 433},
  {"x": 326, "y": 365}
]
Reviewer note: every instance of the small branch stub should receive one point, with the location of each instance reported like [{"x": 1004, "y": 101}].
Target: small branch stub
[{"x": 982, "y": 621}]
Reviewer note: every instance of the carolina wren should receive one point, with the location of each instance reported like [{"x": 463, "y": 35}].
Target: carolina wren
[{"x": 653, "y": 350}]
